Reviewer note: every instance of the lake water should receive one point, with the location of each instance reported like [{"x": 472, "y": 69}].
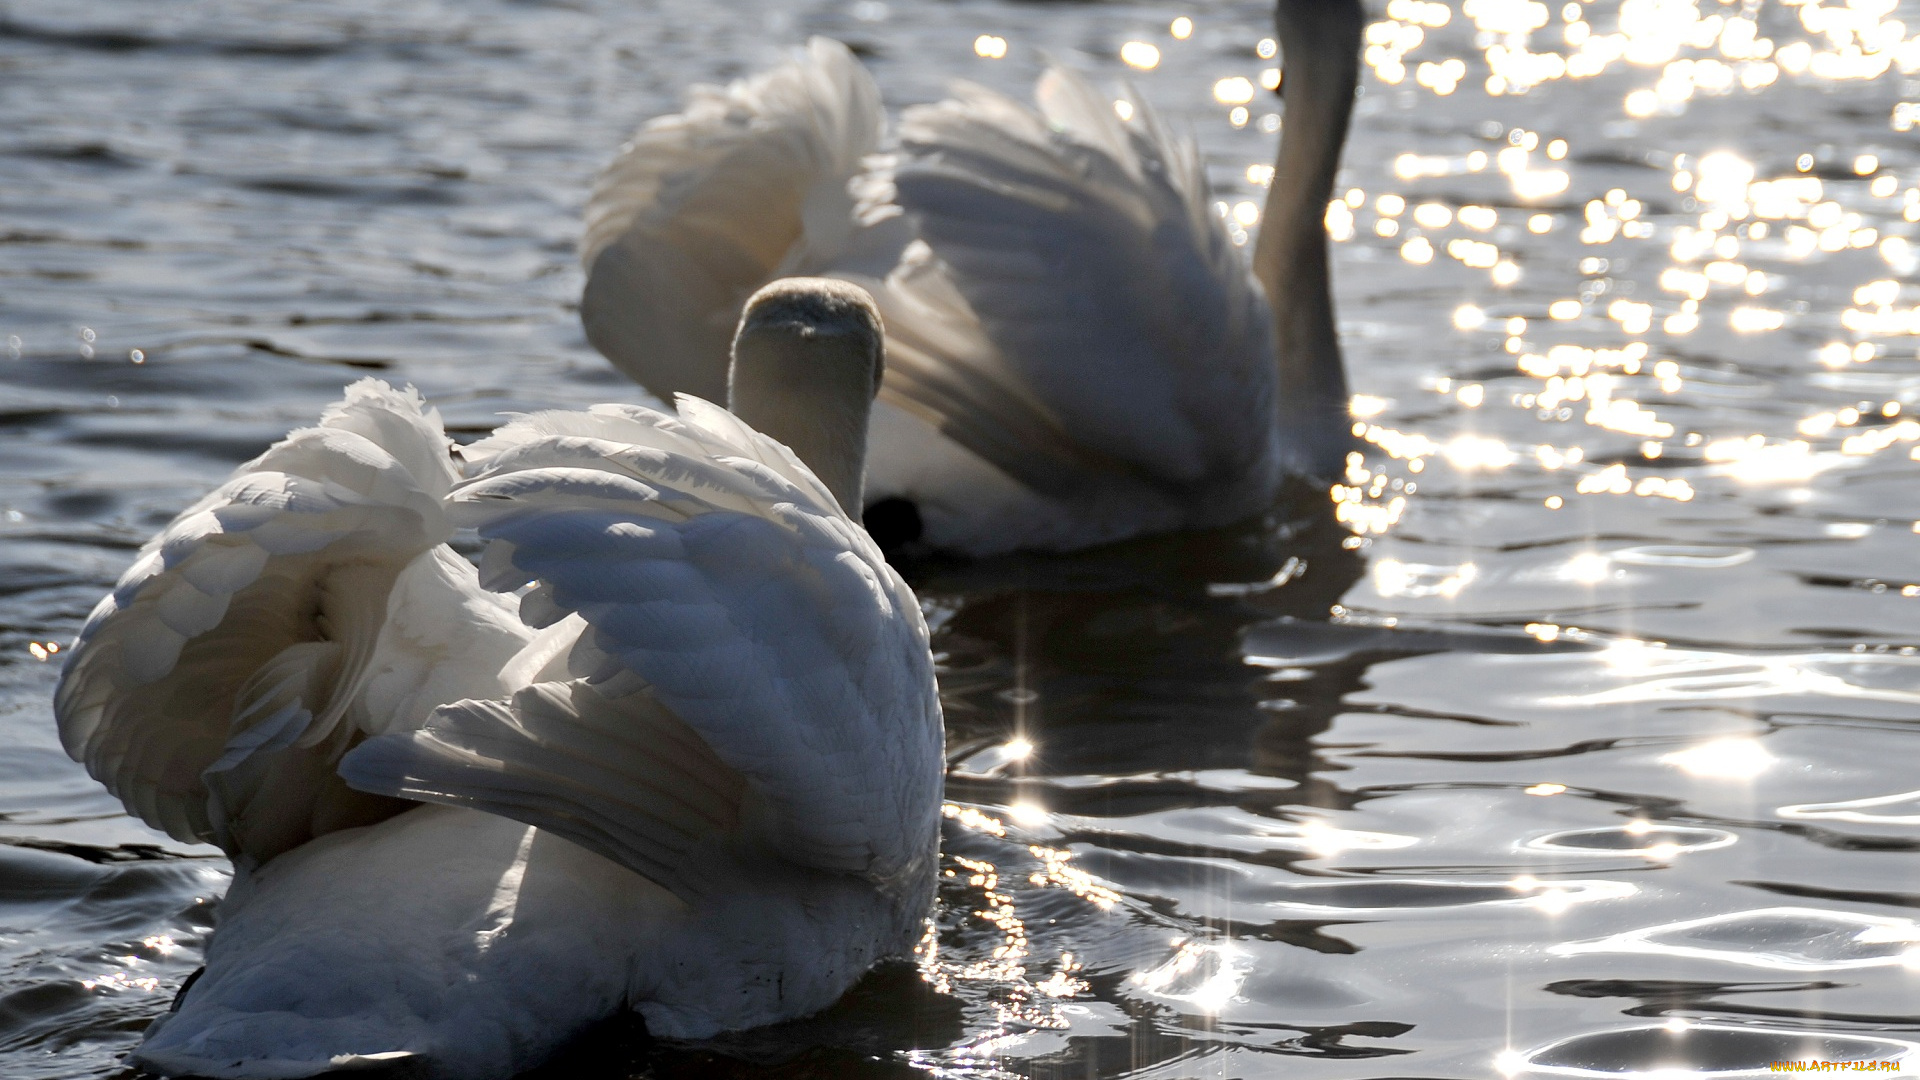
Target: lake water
[{"x": 1573, "y": 736}]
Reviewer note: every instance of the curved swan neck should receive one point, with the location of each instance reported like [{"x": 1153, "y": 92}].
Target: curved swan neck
[
  {"x": 1320, "y": 43},
  {"x": 807, "y": 361}
]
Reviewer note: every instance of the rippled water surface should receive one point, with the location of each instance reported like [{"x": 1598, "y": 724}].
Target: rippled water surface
[{"x": 1573, "y": 736}]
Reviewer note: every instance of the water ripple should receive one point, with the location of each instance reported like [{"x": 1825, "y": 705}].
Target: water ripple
[
  {"x": 1683, "y": 1049},
  {"x": 1781, "y": 938},
  {"x": 1898, "y": 809},
  {"x": 1660, "y": 842}
]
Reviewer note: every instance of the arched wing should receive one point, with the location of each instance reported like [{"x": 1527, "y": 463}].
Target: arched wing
[
  {"x": 749, "y": 667},
  {"x": 943, "y": 369},
  {"x": 213, "y": 689},
  {"x": 610, "y": 768},
  {"x": 700, "y": 208},
  {"x": 1081, "y": 254}
]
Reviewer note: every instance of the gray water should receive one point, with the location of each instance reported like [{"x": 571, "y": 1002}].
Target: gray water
[{"x": 1572, "y": 736}]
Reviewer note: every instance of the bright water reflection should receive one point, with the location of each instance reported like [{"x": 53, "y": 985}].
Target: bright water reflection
[
  {"x": 1568, "y": 738},
  {"x": 1785, "y": 939}
]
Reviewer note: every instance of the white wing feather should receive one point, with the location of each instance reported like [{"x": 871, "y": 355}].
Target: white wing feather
[
  {"x": 614, "y": 771},
  {"x": 212, "y": 690},
  {"x": 721, "y": 590},
  {"x": 1080, "y": 252},
  {"x": 700, "y": 208}
]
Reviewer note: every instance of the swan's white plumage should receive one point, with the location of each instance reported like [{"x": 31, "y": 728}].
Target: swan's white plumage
[
  {"x": 467, "y": 941},
  {"x": 1083, "y": 248},
  {"x": 696, "y": 772},
  {"x": 621, "y": 774},
  {"x": 213, "y": 690},
  {"x": 445, "y": 639},
  {"x": 723, "y": 591},
  {"x": 699, "y": 209},
  {"x": 1076, "y": 352},
  {"x": 1074, "y": 317}
]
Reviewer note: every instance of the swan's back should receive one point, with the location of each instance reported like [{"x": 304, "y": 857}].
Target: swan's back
[{"x": 745, "y": 666}]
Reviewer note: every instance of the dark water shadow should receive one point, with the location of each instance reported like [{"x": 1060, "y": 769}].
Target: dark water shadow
[
  {"x": 890, "y": 1011},
  {"x": 1129, "y": 658}
]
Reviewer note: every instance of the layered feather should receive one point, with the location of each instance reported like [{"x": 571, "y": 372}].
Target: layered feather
[
  {"x": 748, "y": 671},
  {"x": 215, "y": 688},
  {"x": 702, "y": 207},
  {"x": 1075, "y": 264}
]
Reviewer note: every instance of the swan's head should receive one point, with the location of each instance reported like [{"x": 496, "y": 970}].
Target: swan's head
[{"x": 807, "y": 362}]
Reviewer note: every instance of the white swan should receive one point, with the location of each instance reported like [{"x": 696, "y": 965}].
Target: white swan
[
  {"x": 1076, "y": 351},
  {"x": 695, "y": 771}
]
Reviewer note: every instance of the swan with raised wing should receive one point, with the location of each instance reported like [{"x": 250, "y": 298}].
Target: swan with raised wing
[
  {"x": 1076, "y": 350},
  {"x": 694, "y": 769}
]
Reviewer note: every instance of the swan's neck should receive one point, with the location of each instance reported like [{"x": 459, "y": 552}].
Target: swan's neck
[
  {"x": 1320, "y": 40},
  {"x": 814, "y": 415},
  {"x": 806, "y": 364}
]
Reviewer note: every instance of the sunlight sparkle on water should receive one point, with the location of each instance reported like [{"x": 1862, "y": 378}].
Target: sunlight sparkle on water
[
  {"x": 1754, "y": 460},
  {"x": 1393, "y": 578},
  {"x": 1470, "y": 452},
  {"x": 1326, "y": 840},
  {"x": 120, "y": 980},
  {"x": 1589, "y": 568},
  {"x": 973, "y": 818},
  {"x": 1746, "y": 216},
  {"x": 1058, "y": 872},
  {"x": 1723, "y": 759},
  {"x": 1141, "y": 55},
  {"x": 1205, "y": 975},
  {"x": 1363, "y": 406},
  {"x": 1233, "y": 91},
  {"x": 1029, "y": 814}
]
